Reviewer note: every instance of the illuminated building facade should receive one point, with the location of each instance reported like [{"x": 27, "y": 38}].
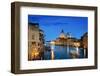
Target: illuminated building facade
[{"x": 35, "y": 41}]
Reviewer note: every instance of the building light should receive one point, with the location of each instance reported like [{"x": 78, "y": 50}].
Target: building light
[{"x": 35, "y": 53}]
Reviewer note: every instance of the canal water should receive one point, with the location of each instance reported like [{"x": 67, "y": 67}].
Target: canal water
[{"x": 63, "y": 52}]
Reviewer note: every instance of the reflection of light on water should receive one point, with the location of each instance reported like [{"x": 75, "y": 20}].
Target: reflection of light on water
[
  {"x": 84, "y": 52},
  {"x": 77, "y": 50},
  {"x": 60, "y": 52},
  {"x": 68, "y": 50},
  {"x": 52, "y": 50},
  {"x": 52, "y": 55},
  {"x": 75, "y": 53},
  {"x": 63, "y": 52},
  {"x": 52, "y": 47}
]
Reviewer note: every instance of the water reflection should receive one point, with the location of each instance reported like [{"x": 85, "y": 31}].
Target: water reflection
[{"x": 63, "y": 52}]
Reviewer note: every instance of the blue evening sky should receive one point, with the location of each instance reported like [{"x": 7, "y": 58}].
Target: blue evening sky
[{"x": 53, "y": 25}]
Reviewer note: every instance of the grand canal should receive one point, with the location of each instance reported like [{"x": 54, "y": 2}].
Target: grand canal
[{"x": 64, "y": 52}]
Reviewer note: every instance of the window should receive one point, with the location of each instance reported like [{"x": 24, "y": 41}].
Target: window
[{"x": 33, "y": 37}]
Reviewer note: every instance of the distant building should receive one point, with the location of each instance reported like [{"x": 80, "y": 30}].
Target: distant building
[
  {"x": 35, "y": 41},
  {"x": 66, "y": 39}
]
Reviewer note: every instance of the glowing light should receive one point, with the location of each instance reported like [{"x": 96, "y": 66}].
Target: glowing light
[
  {"x": 35, "y": 53},
  {"x": 52, "y": 54},
  {"x": 52, "y": 42}
]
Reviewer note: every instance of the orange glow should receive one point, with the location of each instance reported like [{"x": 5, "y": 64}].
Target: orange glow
[{"x": 35, "y": 53}]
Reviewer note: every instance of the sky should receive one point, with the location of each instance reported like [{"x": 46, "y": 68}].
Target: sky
[{"x": 53, "y": 25}]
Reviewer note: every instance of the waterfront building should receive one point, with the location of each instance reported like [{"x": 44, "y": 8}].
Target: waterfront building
[
  {"x": 84, "y": 44},
  {"x": 64, "y": 39},
  {"x": 35, "y": 41}
]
